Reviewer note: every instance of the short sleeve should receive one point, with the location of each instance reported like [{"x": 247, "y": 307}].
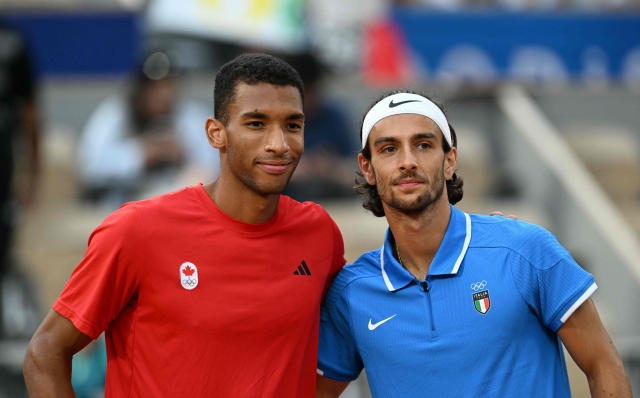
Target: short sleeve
[
  {"x": 108, "y": 277},
  {"x": 550, "y": 281},
  {"x": 338, "y": 356}
]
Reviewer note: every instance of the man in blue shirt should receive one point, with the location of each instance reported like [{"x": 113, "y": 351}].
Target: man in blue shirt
[{"x": 454, "y": 305}]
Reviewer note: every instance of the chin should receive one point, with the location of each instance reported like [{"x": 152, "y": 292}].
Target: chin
[{"x": 272, "y": 188}]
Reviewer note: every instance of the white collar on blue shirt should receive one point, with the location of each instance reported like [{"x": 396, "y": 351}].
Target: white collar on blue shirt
[{"x": 447, "y": 260}]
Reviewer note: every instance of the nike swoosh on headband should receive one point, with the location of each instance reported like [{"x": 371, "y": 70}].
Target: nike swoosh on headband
[
  {"x": 424, "y": 107},
  {"x": 393, "y": 105}
]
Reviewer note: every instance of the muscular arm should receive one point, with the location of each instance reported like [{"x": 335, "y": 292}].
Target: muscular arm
[
  {"x": 589, "y": 345},
  {"x": 47, "y": 363},
  {"x": 329, "y": 388}
]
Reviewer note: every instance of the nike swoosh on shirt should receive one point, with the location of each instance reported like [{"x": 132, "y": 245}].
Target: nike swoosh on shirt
[
  {"x": 375, "y": 325},
  {"x": 393, "y": 105}
]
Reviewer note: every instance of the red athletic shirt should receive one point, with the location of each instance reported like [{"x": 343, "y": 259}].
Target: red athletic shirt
[{"x": 249, "y": 327}]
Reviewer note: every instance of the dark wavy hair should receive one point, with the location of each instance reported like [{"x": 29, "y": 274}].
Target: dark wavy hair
[
  {"x": 372, "y": 201},
  {"x": 251, "y": 69}
]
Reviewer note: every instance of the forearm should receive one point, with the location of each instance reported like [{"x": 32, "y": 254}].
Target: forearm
[
  {"x": 328, "y": 388},
  {"x": 47, "y": 373},
  {"x": 610, "y": 382}
]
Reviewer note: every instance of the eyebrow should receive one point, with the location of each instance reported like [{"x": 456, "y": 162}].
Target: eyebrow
[
  {"x": 418, "y": 136},
  {"x": 381, "y": 140},
  {"x": 258, "y": 115},
  {"x": 254, "y": 115},
  {"x": 428, "y": 135}
]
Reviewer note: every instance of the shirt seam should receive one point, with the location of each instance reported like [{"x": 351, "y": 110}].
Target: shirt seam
[
  {"x": 351, "y": 323},
  {"x": 80, "y": 317},
  {"x": 352, "y": 329},
  {"x": 522, "y": 256},
  {"x": 514, "y": 279},
  {"x": 538, "y": 290},
  {"x": 340, "y": 373},
  {"x": 350, "y": 282},
  {"x": 579, "y": 291},
  {"x": 135, "y": 323}
]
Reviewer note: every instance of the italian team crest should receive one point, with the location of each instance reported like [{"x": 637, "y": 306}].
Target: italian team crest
[
  {"x": 188, "y": 276},
  {"x": 481, "y": 301}
]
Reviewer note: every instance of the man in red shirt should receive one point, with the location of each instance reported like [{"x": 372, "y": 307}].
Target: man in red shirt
[{"x": 213, "y": 290}]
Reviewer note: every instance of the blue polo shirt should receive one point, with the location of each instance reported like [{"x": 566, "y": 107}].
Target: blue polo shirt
[{"x": 483, "y": 323}]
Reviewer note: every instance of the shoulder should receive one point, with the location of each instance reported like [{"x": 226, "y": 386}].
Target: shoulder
[
  {"x": 366, "y": 266},
  {"x": 126, "y": 215},
  {"x": 532, "y": 242},
  {"x": 177, "y": 202},
  {"x": 309, "y": 213}
]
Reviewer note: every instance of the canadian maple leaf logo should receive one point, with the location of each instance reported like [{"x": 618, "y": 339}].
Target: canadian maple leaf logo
[{"x": 188, "y": 271}]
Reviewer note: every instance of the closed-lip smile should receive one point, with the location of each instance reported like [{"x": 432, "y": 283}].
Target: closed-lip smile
[
  {"x": 274, "y": 166},
  {"x": 408, "y": 183}
]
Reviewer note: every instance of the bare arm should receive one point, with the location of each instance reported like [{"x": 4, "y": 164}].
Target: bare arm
[
  {"x": 329, "y": 388},
  {"x": 589, "y": 345},
  {"x": 47, "y": 363}
]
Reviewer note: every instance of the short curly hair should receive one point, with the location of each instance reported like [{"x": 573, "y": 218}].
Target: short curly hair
[
  {"x": 251, "y": 69},
  {"x": 372, "y": 201}
]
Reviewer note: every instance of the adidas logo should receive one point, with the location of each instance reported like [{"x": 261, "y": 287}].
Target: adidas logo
[{"x": 302, "y": 269}]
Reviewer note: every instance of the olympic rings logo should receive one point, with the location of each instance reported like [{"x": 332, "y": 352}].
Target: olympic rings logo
[
  {"x": 478, "y": 285},
  {"x": 190, "y": 282}
]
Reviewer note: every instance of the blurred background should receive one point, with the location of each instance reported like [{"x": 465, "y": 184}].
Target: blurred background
[{"x": 104, "y": 101}]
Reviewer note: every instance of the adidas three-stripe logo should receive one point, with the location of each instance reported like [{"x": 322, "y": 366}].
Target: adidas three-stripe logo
[{"x": 302, "y": 269}]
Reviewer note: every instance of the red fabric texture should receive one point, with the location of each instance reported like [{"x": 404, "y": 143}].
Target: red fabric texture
[{"x": 249, "y": 328}]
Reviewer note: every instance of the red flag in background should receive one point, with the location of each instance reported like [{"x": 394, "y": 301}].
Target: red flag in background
[{"x": 387, "y": 59}]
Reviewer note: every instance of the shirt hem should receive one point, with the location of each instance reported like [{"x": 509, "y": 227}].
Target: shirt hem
[
  {"x": 579, "y": 302},
  {"x": 328, "y": 372},
  {"x": 78, "y": 321}
]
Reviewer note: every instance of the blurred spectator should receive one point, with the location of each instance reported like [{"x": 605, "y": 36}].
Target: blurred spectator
[
  {"x": 18, "y": 114},
  {"x": 327, "y": 167},
  {"x": 146, "y": 145},
  {"x": 19, "y": 150}
]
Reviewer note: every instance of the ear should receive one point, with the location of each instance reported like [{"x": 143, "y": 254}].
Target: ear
[
  {"x": 450, "y": 163},
  {"x": 216, "y": 133},
  {"x": 367, "y": 169}
]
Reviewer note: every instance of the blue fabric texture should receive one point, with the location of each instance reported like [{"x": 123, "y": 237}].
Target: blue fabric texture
[{"x": 487, "y": 328}]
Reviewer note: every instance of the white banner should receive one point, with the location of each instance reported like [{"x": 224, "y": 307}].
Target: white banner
[{"x": 273, "y": 24}]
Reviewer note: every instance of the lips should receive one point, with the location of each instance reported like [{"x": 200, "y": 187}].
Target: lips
[
  {"x": 274, "y": 167},
  {"x": 408, "y": 183}
]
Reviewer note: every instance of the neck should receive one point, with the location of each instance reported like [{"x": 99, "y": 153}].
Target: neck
[
  {"x": 237, "y": 200},
  {"x": 418, "y": 236}
]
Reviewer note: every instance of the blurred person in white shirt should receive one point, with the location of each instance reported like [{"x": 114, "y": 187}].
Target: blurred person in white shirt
[{"x": 146, "y": 144}]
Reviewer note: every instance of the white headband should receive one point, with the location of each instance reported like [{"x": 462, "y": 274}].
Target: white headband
[{"x": 402, "y": 103}]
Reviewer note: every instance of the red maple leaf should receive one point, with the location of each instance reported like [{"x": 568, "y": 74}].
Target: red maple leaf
[{"x": 188, "y": 271}]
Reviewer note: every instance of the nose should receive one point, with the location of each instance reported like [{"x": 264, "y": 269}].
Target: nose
[
  {"x": 408, "y": 161},
  {"x": 277, "y": 142}
]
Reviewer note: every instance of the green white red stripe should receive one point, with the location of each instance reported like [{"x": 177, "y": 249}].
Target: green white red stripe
[{"x": 482, "y": 305}]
